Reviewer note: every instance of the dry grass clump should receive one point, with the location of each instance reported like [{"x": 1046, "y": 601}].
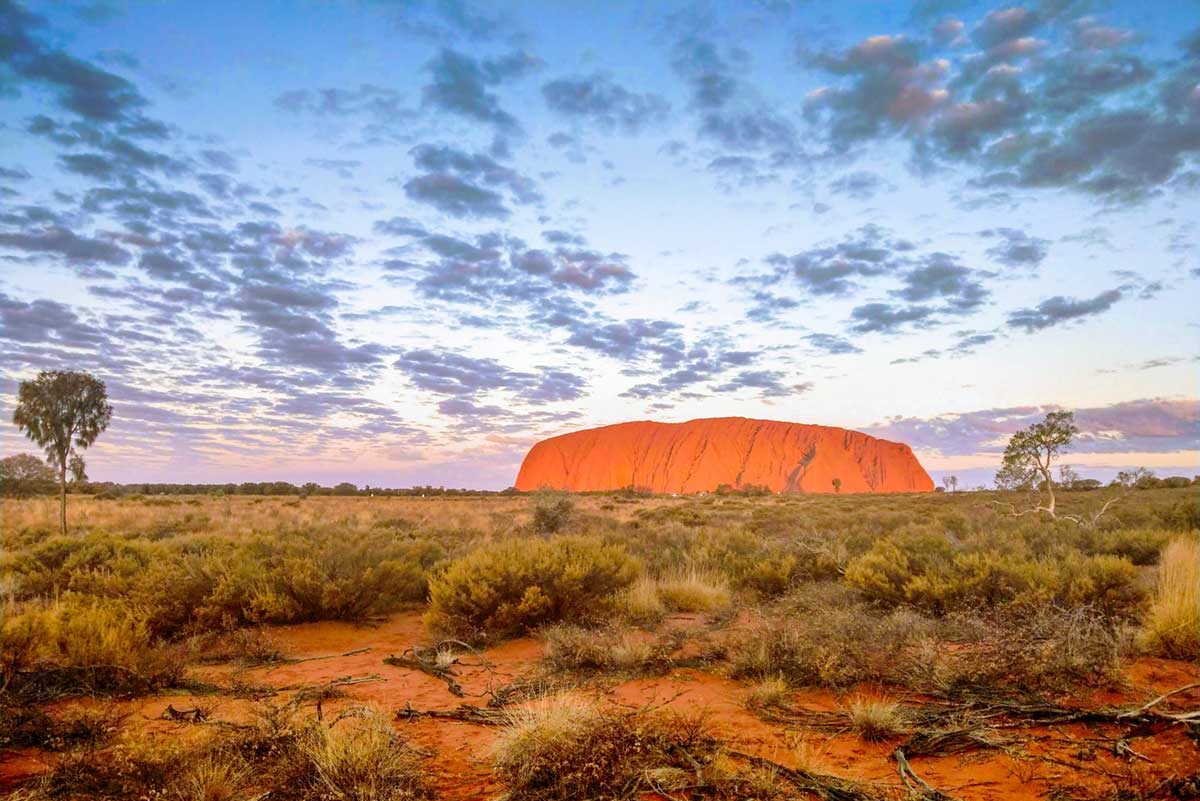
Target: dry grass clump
[
  {"x": 694, "y": 591},
  {"x": 214, "y": 777},
  {"x": 357, "y": 757},
  {"x": 566, "y": 747},
  {"x": 640, "y": 603},
  {"x": 362, "y": 759},
  {"x": 874, "y": 718},
  {"x": 811, "y": 753},
  {"x": 581, "y": 650},
  {"x": 769, "y": 692},
  {"x": 1172, "y": 624}
]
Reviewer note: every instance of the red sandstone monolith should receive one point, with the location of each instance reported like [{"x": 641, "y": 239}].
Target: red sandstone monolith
[{"x": 701, "y": 455}]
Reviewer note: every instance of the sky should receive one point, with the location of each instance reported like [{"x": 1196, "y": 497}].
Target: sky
[{"x": 396, "y": 243}]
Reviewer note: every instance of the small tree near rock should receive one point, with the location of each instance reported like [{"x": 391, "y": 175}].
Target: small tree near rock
[
  {"x": 1029, "y": 458},
  {"x": 1031, "y": 454}
]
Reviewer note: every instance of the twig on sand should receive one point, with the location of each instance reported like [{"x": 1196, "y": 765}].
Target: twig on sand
[
  {"x": 910, "y": 778},
  {"x": 825, "y": 787},
  {"x": 299, "y": 660}
]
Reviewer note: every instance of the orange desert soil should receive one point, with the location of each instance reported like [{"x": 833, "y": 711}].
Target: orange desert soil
[
  {"x": 700, "y": 455},
  {"x": 460, "y": 770}
]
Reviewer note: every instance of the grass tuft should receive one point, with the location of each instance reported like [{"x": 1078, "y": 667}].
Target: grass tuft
[
  {"x": 1172, "y": 623},
  {"x": 873, "y": 718},
  {"x": 694, "y": 591}
]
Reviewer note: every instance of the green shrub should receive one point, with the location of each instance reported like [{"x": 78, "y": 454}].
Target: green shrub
[
  {"x": 926, "y": 572},
  {"x": 510, "y": 587},
  {"x": 551, "y": 511}
]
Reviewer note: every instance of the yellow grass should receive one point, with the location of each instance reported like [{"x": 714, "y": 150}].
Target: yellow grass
[
  {"x": 873, "y": 718},
  {"x": 694, "y": 591},
  {"x": 1172, "y": 624}
]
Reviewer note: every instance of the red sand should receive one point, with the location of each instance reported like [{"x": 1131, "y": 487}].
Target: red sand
[
  {"x": 460, "y": 765},
  {"x": 700, "y": 455}
]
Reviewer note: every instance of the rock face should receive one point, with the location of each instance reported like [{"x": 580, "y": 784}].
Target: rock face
[{"x": 700, "y": 455}]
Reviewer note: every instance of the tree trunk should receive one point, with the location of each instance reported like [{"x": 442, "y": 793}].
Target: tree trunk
[
  {"x": 62, "y": 495},
  {"x": 1050, "y": 490}
]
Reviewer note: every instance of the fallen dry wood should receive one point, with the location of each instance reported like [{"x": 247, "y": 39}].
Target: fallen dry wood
[
  {"x": 299, "y": 660},
  {"x": 914, "y": 782},
  {"x": 430, "y": 668},
  {"x": 464, "y": 713},
  {"x": 825, "y": 787}
]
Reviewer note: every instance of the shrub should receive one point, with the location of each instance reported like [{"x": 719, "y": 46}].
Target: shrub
[
  {"x": 82, "y": 645},
  {"x": 551, "y": 511},
  {"x": 825, "y": 639},
  {"x": 510, "y": 587},
  {"x": 1028, "y": 649},
  {"x": 926, "y": 572},
  {"x": 564, "y": 747},
  {"x": 577, "y": 649},
  {"x": 1172, "y": 624}
]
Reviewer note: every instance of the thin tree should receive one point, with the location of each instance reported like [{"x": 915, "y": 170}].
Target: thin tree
[
  {"x": 1028, "y": 460},
  {"x": 1031, "y": 454},
  {"x": 62, "y": 411}
]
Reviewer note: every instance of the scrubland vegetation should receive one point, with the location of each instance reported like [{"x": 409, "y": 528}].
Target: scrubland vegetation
[{"x": 880, "y": 599}]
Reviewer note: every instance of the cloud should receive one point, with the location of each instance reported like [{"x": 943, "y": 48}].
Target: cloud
[
  {"x": 832, "y": 344},
  {"x": 610, "y": 106},
  {"x": 629, "y": 340},
  {"x": 940, "y": 276},
  {"x": 885, "y": 317},
  {"x": 769, "y": 383},
  {"x": 493, "y": 266},
  {"x": 1059, "y": 309},
  {"x": 45, "y": 322},
  {"x": 1155, "y": 425},
  {"x": 455, "y": 196},
  {"x": 860, "y": 185},
  {"x": 400, "y": 226},
  {"x": 730, "y": 114},
  {"x": 1016, "y": 248},
  {"x": 459, "y": 85},
  {"x": 831, "y": 270},
  {"x": 465, "y": 377},
  {"x": 82, "y": 88},
  {"x": 465, "y": 184},
  {"x": 1024, "y": 111},
  {"x": 72, "y": 248}
]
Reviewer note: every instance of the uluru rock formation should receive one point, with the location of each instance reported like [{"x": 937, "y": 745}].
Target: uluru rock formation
[{"x": 700, "y": 455}]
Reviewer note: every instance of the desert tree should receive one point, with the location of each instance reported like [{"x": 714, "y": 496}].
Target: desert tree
[
  {"x": 837, "y": 485},
  {"x": 1030, "y": 456},
  {"x": 63, "y": 411}
]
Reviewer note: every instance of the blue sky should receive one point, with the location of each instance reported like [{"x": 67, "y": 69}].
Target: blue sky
[{"x": 397, "y": 243}]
